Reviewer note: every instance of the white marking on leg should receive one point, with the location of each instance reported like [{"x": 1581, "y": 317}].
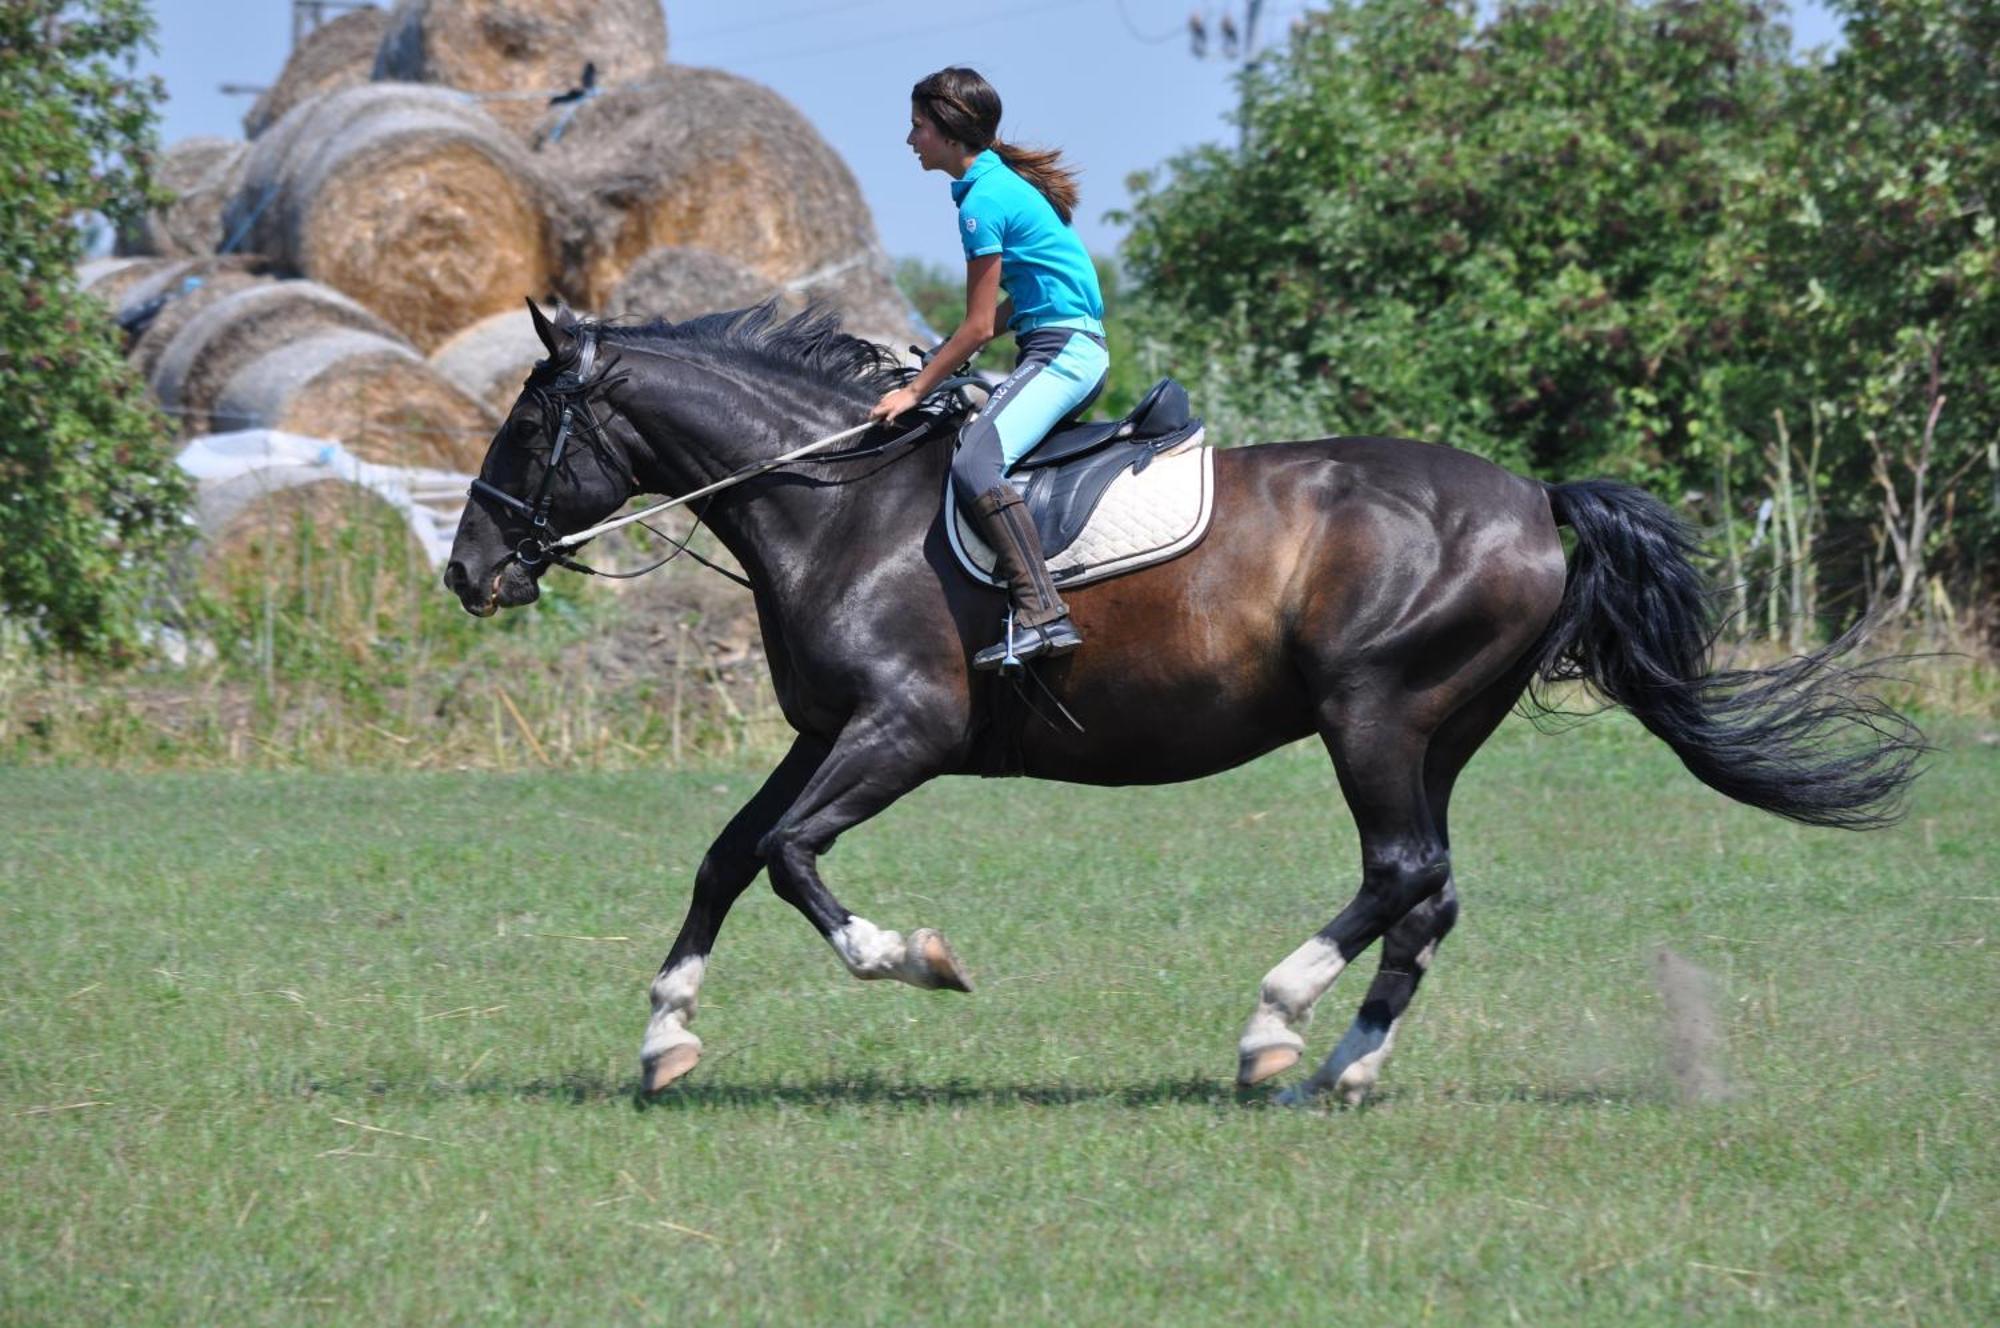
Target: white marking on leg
[
  {"x": 868, "y": 951},
  {"x": 1286, "y": 999},
  {"x": 674, "y": 999},
  {"x": 1352, "y": 1068}
]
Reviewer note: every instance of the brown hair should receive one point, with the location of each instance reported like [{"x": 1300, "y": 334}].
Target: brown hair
[{"x": 966, "y": 109}]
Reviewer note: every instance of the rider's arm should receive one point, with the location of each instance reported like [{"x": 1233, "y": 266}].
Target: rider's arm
[{"x": 983, "y": 321}]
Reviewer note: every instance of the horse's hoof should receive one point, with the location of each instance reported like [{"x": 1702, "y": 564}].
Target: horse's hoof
[
  {"x": 669, "y": 1065},
  {"x": 1256, "y": 1066},
  {"x": 941, "y": 967}
]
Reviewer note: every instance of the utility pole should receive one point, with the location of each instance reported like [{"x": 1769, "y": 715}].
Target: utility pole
[
  {"x": 1234, "y": 41},
  {"x": 306, "y": 15}
]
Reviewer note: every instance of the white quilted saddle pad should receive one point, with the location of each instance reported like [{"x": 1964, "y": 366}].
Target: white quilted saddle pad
[{"x": 1144, "y": 518}]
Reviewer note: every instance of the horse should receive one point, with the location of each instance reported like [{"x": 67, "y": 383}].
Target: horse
[{"x": 1396, "y": 598}]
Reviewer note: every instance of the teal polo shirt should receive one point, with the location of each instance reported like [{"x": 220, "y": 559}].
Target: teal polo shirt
[{"x": 1044, "y": 267}]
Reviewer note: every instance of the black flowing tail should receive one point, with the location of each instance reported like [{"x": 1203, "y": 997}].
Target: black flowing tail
[{"x": 1637, "y": 623}]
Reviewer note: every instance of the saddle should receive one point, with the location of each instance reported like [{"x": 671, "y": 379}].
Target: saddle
[{"x": 1108, "y": 497}]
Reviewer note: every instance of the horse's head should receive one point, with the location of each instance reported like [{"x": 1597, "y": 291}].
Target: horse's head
[{"x": 540, "y": 479}]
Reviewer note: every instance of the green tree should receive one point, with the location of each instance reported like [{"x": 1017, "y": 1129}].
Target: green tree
[
  {"x": 1632, "y": 238},
  {"x": 90, "y": 501},
  {"x": 1873, "y": 242},
  {"x": 1492, "y": 235}
]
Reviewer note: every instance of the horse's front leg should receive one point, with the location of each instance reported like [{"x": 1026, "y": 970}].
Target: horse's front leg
[
  {"x": 732, "y": 862},
  {"x": 877, "y": 759}
]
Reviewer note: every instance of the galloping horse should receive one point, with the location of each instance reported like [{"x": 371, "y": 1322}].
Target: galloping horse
[{"x": 1393, "y": 597}]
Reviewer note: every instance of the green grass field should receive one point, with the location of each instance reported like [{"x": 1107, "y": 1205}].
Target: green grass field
[{"x": 360, "y": 1049}]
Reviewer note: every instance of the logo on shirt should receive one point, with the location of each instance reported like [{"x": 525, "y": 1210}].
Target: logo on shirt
[{"x": 971, "y": 225}]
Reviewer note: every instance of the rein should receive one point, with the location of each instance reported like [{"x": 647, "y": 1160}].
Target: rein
[{"x": 540, "y": 546}]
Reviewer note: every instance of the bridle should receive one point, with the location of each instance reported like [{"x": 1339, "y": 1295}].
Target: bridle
[
  {"x": 571, "y": 387},
  {"x": 536, "y": 547}
]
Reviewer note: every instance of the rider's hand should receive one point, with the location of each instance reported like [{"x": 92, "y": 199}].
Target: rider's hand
[{"x": 893, "y": 404}]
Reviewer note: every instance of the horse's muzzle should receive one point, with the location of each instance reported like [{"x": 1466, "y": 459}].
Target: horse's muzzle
[{"x": 509, "y": 587}]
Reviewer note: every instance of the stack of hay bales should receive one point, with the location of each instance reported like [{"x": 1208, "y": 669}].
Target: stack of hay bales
[
  {"x": 179, "y": 300},
  {"x": 678, "y": 283},
  {"x": 489, "y": 360},
  {"x": 697, "y": 158},
  {"x": 408, "y": 198},
  {"x": 518, "y": 53},
  {"x": 335, "y": 55},
  {"x": 254, "y": 526},
  {"x": 298, "y": 356},
  {"x": 355, "y": 269},
  {"x": 201, "y": 173}
]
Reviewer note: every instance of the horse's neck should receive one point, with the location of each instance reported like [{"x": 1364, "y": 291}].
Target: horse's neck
[{"x": 795, "y": 526}]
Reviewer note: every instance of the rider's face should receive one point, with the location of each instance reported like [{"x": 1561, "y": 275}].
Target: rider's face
[{"x": 934, "y": 151}]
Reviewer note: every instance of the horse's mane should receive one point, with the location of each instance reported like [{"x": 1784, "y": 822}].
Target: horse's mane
[{"x": 810, "y": 343}]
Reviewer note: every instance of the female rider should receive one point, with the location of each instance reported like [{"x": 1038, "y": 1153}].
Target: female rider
[{"x": 1014, "y": 207}]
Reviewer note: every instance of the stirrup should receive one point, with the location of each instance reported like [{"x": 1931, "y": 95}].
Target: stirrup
[
  {"x": 1009, "y": 662},
  {"x": 1020, "y": 645}
]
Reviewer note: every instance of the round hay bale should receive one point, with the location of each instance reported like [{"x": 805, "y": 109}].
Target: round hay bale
[
  {"x": 184, "y": 303},
  {"x": 870, "y": 303},
  {"x": 702, "y": 159},
  {"x": 94, "y": 270},
  {"x": 374, "y": 394},
  {"x": 201, "y": 174},
  {"x": 109, "y": 278},
  {"x": 190, "y": 371},
  {"x": 678, "y": 283},
  {"x": 336, "y": 54},
  {"x": 410, "y": 199},
  {"x": 170, "y": 280},
  {"x": 268, "y": 527},
  {"x": 489, "y": 360},
  {"x": 142, "y": 304},
  {"x": 518, "y": 53}
]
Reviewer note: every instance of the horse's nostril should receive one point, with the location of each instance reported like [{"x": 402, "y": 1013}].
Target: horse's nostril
[{"x": 455, "y": 579}]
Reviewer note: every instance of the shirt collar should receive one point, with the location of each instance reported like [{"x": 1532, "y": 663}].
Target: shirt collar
[{"x": 981, "y": 164}]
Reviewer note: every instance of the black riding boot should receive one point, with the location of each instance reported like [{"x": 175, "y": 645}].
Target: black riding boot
[{"x": 1041, "y": 620}]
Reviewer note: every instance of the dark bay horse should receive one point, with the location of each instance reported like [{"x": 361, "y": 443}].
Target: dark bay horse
[{"x": 1393, "y": 597}]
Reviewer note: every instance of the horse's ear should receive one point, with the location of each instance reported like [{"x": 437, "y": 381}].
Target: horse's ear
[{"x": 555, "y": 336}]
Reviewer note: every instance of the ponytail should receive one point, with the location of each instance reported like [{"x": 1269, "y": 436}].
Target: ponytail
[
  {"x": 1044, "y": 169},
  {"x": 966, "y": 110}
]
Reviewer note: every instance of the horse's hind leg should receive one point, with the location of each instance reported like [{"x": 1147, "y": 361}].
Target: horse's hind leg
[
  {"x": 1355, "y": 1064},
  {"x": 731, "y": 863},
  {"x": 1403, "y": 863}
]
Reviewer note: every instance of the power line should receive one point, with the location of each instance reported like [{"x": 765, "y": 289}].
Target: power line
[{"x": 1171, "y": 34}]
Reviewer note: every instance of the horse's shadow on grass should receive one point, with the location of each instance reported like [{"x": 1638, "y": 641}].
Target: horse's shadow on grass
[
  {"x": 826, "y": 1093},
  {"x": 873, "y": 1091},
  {"x": 829, "y": 1092}
]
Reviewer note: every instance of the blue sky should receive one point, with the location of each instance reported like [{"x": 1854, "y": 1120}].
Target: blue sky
[{"x": 1111, "y": 82}]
